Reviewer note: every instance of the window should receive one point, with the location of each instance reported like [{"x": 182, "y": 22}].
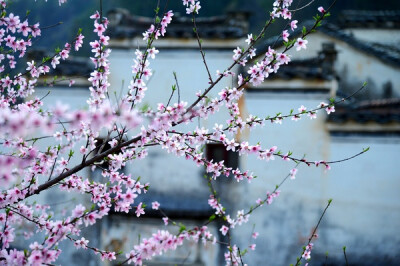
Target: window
[{"x": 218, "y": 152}]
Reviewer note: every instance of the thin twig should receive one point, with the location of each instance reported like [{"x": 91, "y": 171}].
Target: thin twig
[
  {"x": 177, "y": 86},
  {"x": 201, "y": 48},
  {"x": 101, "y": 11},
  {"x": 326, "y": 259},
  {"x": 240, "y": 255},
  {"x": 212, "y": 85},
  {"x": 315, "y": 229},
  {"x": 51, "y": 26},
  {"x": 170, "y": 97},
  {"x": 300, "y": 8},
  {"x": 345, "y": 256},
  {"x": 44, "y": 96}
]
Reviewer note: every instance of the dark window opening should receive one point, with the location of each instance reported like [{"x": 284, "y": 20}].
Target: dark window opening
[{"x": 218, "y": 152}]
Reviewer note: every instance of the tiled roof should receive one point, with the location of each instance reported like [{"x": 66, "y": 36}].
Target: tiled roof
[
  {"x": 230, "y": 26},
  {"x": 388, "y": 19},
  {"x": 381, "y": 111},
  {"x": 303, "y": 69},
  {"x": 386, "y": 53},
  {"x": 73, "y": 66}
]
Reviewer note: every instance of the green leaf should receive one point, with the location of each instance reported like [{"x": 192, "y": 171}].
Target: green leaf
[
  {"x": 304, "y": 30},
  {"x": 182, "y": 228}
]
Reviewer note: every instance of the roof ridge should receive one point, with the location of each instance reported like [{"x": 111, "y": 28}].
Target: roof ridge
[{"x": 333, "y": 30}]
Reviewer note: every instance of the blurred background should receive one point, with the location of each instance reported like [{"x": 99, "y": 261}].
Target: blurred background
[
  {"x": 74, "y": 14},
  {"x": 358, "y": 43}
]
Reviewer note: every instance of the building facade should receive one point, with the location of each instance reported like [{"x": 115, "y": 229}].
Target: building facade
[{"x": 365, "y": 215}]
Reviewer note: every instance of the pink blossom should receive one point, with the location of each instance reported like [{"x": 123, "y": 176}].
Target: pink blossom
[
  {"x": 155, "y": 205},
  {"x": 330, "y": 109},
  {"x": 249, "y": 39},
  {"x": 165, "y": 219},
  {"x": 293, "y": 24},
  {"x": 99, "y": 28},
  {"x": 293, "y": 173},
  {"x": 81, "y": 243},
  {"x": 83, "y": 149},
  {"x": 285, "y": 35},
  {"x": 128, "y": 132},
  {"x": 139, "y": 210},
  {"x": 224, "y": 230},
  {"x": 301, "y": 44}
]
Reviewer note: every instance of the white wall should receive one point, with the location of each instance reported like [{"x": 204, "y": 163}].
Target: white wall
[
  {"x": 160, "y": 169},
  {"x": 365, "y": 212},
  {"x": 360, "y": 206},
  {"x": 353, "y": 65},
  {"x": 384, "y": 36},
  {"x": 167, "y": 174}
]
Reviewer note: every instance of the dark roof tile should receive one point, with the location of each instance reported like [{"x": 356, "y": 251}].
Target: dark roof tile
[
  {"x": 382, "y": 111},
  {"x": 304, "y": 69},
  {"x": 384, "y": 52},
  {"x": 388, "y": 19},
  {"x": 231, "y": 26},
  {"x": 73, "y": 66}
]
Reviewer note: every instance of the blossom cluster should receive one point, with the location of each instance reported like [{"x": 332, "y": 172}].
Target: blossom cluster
[
  {"x": 193, "y": 6},
  {"x": 307, "y": 252},
  {"x": 99, "y": 77},
  {"x": 27, "y": 170},
  {"x": 140, "y": 69}
]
